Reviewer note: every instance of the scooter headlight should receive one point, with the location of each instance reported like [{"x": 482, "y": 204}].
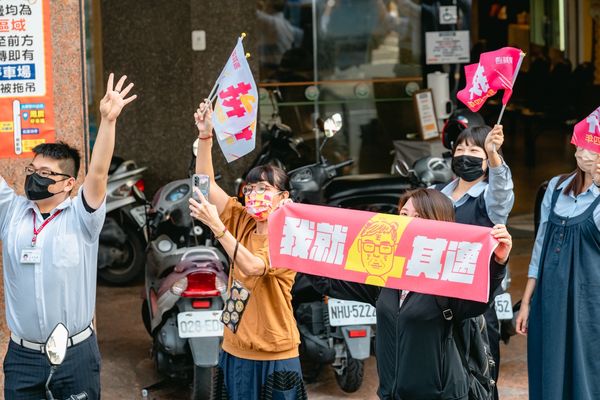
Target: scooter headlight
[
  {"x": 165, "y": 246},
  {"x": 179, "y": 287}
]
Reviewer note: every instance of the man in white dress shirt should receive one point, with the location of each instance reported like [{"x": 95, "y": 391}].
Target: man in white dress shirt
[{"x": 50, "y": 248}]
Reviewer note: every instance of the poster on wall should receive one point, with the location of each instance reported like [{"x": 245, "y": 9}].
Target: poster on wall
[
  {"x": 423, "y": 101},
  {"x": 26, "y": 98},
  {"x": 447, "y": 47}
]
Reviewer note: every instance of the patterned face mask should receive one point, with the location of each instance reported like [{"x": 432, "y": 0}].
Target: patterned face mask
[{"x": 259, "y": 206}]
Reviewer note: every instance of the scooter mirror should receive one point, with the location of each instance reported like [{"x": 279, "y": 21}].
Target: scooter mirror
[
  {"x": 402, "y": 168},
  {"x": 332, "y": 125},
  {"x": 138, "y": 194},
  {"x": 195, "y": 147},
  {"x": 56, "y": 345}
]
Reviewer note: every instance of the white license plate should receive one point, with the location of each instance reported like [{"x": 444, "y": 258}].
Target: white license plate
[
  {"x": 504, "y": 308},
  {"x": 343, "y": 313},
  {"x": 200, "y": 324},
  {"x": 139, "y": 215}
]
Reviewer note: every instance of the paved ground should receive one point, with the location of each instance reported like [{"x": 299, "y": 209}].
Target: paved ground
[
  {"x": 127, "y": 366},
  {"x": 125, "y": 345}
]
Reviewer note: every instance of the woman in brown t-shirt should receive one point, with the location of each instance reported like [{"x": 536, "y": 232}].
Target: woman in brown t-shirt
[{"x": 262, "y": 354}]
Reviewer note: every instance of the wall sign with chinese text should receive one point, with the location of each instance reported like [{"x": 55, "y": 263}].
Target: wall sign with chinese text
[
  {"x": 394, "y": 251},
  {"x": 447, "y": 47},
  {"x": 26, "y": 98}
]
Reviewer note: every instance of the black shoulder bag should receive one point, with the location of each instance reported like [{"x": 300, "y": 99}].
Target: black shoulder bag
[{"x": 480, "y": 362}]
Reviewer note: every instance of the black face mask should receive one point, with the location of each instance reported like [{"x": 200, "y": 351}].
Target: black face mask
[
  {"x": 36, "y": 187},
  {"x": 468, "y": 167}
]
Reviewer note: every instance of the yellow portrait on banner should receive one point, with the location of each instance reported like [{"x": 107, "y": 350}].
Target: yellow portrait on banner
[{"x": 373, "y": 251}]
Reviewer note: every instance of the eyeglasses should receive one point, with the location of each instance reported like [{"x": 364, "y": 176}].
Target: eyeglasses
[
  {"x": 259, "y": 188},
  {"x": 44, "y": 173},
  {"x": 384, "y": 248}
]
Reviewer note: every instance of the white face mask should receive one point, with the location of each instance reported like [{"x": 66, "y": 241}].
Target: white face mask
[{"x": 586, "y": 160}]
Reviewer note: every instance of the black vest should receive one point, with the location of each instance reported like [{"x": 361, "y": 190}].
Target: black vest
[{"x": 473, "y": 211}]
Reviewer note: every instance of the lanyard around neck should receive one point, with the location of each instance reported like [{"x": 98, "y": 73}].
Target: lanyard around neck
[{"x": 37, "y": 231}]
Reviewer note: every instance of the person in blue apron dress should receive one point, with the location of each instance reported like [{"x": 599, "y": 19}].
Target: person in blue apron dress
[
  {"x": 560, "y": 310},
  {"x": 482, "y": 195}
]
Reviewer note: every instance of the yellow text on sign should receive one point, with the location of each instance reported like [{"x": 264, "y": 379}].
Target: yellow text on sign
[{"x": 6, "y": 126}]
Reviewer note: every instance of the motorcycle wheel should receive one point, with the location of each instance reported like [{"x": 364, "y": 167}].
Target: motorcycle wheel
[
  {"x": 352, "y": 377},
  {"x": 310, "y": 370},
  {"x": 204, "y": 383},
  {"x": 131, "y": 261}
]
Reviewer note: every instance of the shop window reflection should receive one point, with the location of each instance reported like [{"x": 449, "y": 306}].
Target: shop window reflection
[{"x": 360, "y": 46}]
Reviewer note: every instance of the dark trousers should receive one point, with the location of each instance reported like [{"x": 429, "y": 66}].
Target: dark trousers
[
  {"x": 258, "y": 380},
  {"x": 493, "y": 330},
  {"x": 26, "y": 372}
]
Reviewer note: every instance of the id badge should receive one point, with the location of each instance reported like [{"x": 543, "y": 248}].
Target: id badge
[{"x": 31, "y": 256}]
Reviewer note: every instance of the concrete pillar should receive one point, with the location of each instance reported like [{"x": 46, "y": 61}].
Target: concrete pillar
[
  {"x": 69, "y": 107},
  {"x": 151, "y": 42}
]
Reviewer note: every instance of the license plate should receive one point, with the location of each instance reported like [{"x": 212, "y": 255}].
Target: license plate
[
  {"x": 504, "y": 306},
  {"x": 200, "y": 324},
  {"x": 344, "y": 313},
  {"x": 139, "y": 215}
]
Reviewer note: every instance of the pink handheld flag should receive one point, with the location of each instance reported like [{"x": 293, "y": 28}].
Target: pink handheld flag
[
  {"x": 496, "y": 70},
  {"x": 586, "y": 133}
]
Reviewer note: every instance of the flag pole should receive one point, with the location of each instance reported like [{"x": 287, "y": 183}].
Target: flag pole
[
  {"x": 521, "y": 56},
  {"x": 213, "y": 92}
]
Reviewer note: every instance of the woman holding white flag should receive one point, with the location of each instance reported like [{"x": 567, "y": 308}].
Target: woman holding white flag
[
  {"x": 560, "y": 310},
  {"x": 260, "y": 343}
]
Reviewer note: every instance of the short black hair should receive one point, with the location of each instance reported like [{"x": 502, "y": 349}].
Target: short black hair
[
  {"x": 275, "y": 176},
  {"x": 475, "y": 135},
  {"x": 69, "y": 156}
]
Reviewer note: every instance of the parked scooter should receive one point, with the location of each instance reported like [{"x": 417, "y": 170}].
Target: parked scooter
[
  {"x": 279, "y": 148},
  {"x": 185, "y": 284},
  {"x": 122, "y": 239},
  {"x": 56, "y": 351},
  {"x": 319, "y": 183},
  {"x": 332, "y": 331},
  {"x": 336, "y": 331}
]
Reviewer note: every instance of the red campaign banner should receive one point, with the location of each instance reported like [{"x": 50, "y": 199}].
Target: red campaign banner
[
  {"x": 586, "y": 133},
  {"x": 26, "y": 97},
  {"x": 420, "y": 255}
]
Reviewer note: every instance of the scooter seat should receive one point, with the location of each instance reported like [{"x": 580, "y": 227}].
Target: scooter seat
[
  {"x": 366, "y": 183},
  {"x": 115, "y": 162}
]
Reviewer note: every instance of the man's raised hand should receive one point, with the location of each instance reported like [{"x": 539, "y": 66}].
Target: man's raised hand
[{"x": 115, "y": 98}]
